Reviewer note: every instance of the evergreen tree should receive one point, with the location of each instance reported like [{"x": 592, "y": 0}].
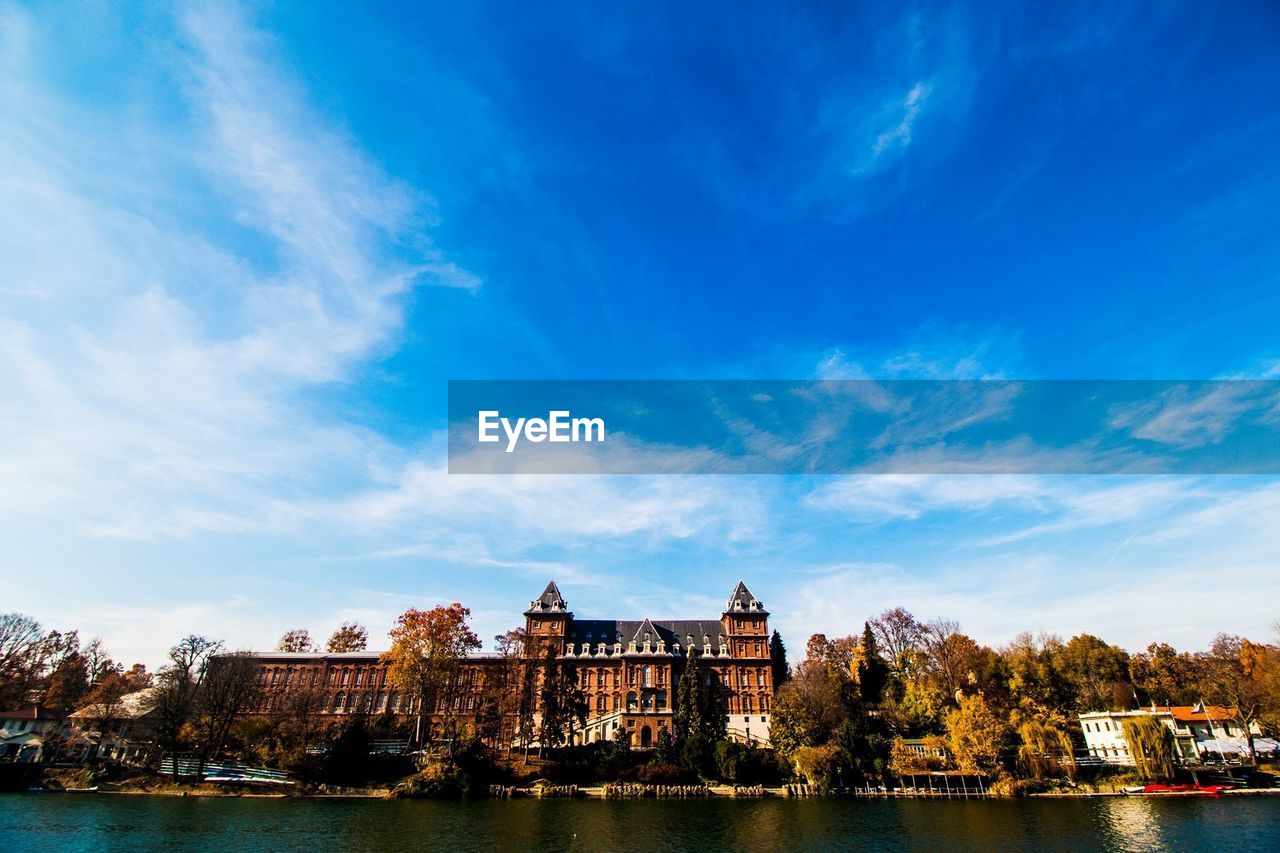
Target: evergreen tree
[
  {"x": 873, "y": 673},
  {"x": 778, "y": 658},
  {"x": 688, "y": 716},
  {"x": 700, "y": 715}
]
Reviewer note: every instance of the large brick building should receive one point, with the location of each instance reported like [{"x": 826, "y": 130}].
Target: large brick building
[{"x": 627, "y": 669}]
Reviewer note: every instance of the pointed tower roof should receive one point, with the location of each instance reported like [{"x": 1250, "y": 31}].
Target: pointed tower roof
[
  {"x": 549, "y": 602},
  {"x": 742, "y": 601}
]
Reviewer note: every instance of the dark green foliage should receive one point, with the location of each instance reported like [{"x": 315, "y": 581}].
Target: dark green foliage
[
  {"x": 873, "y": 672},
  {"x": 348, "y": 758},
  {"x": 700, "y": 721},
  {"x": 742, "y": 764},
  {"x": 666, "y": 752},
  {"x": 778, "y": 659}
]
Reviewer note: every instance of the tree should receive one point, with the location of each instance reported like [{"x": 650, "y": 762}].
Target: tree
[
  {"x": 808, "y": 709},
  {"x": 1151, "y": 745},
  {"x": 950, "y": 658},
  {"x": 778, "y": 661},
  {"x": 175, "y": 696},
  {"x": 898, "y": 634},
  {"x": 350, "y": 637},
  {"x": 699, "y": 721},
  {"x": 23, "y": 652},
  {"x": 1231, "y": 677},
  {"x": 564, "y": 706},
  {"x": 1046, "y": 750},
  {"x": 1165, "y": 676},
  {"x": 1093, "y": 670},
  {"x": 105, "y": 706},
  {"x": 975, "y": 734},
  {"x": 425, "y": 658},
  {"x": 1035, "y": 681},
  {"x": 297, "y": 640},
  {"x": 229, "y": 687},
  {"x": 506, "y": 700},
  {"x": 873, "y": 674}
]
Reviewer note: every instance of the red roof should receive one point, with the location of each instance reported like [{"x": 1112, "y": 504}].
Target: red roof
[
  {"x": 1198, "y": 713},
  {"x": 37, "y": 712}
]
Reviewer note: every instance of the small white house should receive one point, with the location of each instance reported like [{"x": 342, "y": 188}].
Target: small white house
[
  {"x": 1200, "y": 732},
  {"x": 27, "y": 734}
]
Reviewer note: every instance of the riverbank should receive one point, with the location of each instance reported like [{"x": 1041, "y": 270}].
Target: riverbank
[{"x": 600, "y": 792}]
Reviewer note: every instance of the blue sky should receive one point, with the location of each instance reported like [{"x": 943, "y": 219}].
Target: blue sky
[{"x": 243, "y": 248}]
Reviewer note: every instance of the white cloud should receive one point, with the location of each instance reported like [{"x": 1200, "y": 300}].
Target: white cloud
[{"x": 158, "y": 345}]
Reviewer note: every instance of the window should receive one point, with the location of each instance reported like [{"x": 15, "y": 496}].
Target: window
[{"x": 648, "y": 676}]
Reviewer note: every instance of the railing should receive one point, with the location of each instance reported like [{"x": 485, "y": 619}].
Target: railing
[{"x": 217, "y": 771}]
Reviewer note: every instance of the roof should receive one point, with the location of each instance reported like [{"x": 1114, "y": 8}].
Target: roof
[
  {"x": 338, "y": 657},
  {"x": 130, "y": 707},
  {"x": 35, "y": 712},
  {"x": 551, "y": 601},
  {"x": 742, "y": 599},
  {"x": 671, "y": 631},
  {"x": 1197, "y": 713},
  {"x": 1181, "y": 713}
]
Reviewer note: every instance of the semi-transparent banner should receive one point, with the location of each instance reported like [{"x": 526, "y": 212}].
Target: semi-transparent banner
[{"x": 864, "y": 426}]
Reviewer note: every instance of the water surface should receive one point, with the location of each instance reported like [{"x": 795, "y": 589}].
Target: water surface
[{"x": 88, "y": 822}]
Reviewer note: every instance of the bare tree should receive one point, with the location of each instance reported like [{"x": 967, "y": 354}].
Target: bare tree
[
  {"x": 175, "y": 696},
  {"x": 229, "y": 687},
  {"x": 23, "y": 655},
  {"x": 898, "y": 634}
]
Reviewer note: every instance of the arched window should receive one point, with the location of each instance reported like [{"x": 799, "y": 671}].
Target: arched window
[
  {"x": 648, "y": 676},
  {"x": 339, "y": 702}
]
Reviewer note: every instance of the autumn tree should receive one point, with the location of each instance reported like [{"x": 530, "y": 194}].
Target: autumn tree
[
  {"x": 350, "y": 637},
  {"x": 808, "y": 709},
  {"x": 1165, "y": 676},
  {"x": 297, "y": 640},
  {"x": 1233, "y": 675},
  {"x": 428, "y": 648},
  {"x": 1036, "y": 684},
  {"x": 1046, "y": 750},
  {"x": 975, "y": 734},
  {"x": 1151, "y": 746},
  {"x": 1097, "y": 673},
  {"x": 950, "y": 659}
]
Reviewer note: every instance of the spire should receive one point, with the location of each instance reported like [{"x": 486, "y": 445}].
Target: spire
[
  {"x": 549, "y": 602},
  {"x": 742, "y": 601}
]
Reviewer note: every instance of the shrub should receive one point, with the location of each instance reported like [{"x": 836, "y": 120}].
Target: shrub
[
  {"x": 662, "y": 773},
  {"x": 819, "y": 764}
]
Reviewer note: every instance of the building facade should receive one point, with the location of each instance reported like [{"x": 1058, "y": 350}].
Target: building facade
[
  {"x": 626, "y": 669},
  {"x": 1199, "y": 732}
]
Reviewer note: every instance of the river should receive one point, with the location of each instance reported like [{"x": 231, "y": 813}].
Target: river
[{"x": 65, "y": 822}]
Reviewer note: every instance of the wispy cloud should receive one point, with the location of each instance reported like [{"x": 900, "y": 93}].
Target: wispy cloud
[{"x": 157, "y": 371}]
